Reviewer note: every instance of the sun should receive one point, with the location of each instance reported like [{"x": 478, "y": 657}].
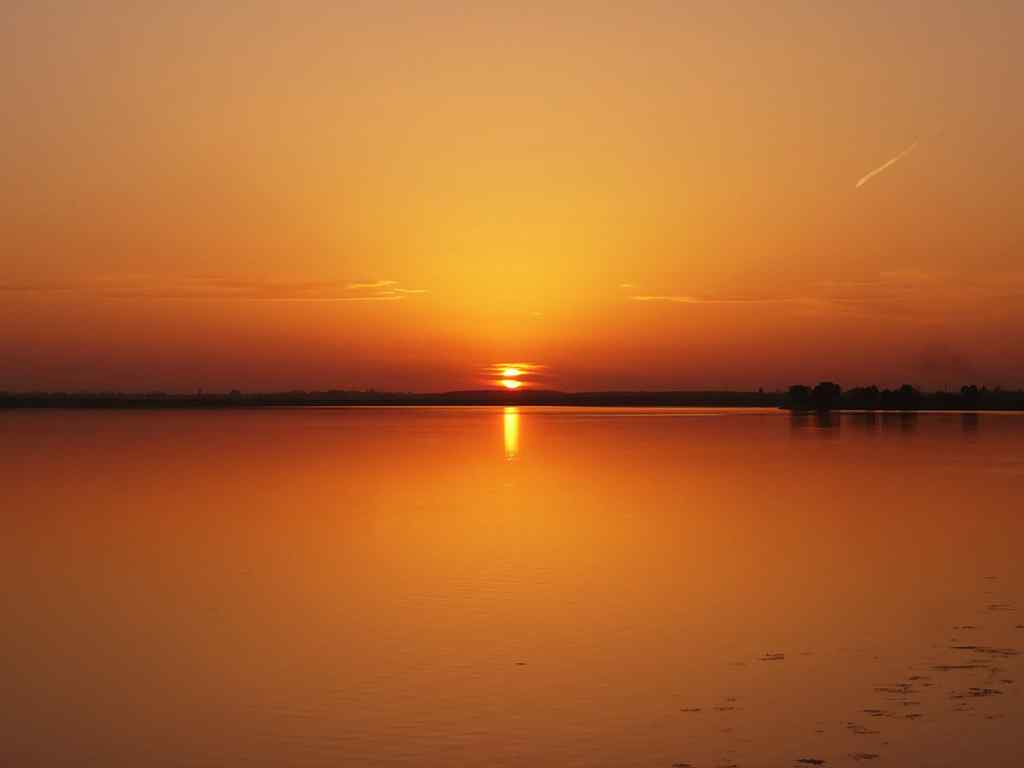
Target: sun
[{"x": 512, "y": 376}]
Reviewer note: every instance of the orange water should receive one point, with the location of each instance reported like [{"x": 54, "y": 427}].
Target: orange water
[{"x": 489, "y": 587}]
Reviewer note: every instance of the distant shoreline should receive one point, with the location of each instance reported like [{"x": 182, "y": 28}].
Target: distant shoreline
[
  {"x": 938, "y": 401},
  {"x": 371, "y": 398}
]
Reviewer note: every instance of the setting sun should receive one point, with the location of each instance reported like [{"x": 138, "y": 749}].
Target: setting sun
[
  {"x": 511, "y": 372},
  {"x": 511, "y": 384}
]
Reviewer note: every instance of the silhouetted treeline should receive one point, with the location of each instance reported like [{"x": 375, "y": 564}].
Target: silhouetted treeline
[{"x": 827, "y": 396}]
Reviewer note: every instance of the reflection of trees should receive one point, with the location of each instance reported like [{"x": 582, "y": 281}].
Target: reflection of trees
[
  {"x": 827, "y": 395},
  {"x": 969, "y": 422}
]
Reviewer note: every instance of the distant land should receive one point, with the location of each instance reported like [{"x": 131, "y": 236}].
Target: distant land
[
  {"x": 824, "y": 396},
  {"x": 238, "y": 399}
]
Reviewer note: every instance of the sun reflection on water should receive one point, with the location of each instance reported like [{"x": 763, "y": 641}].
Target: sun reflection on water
[{"x": 510, "y": 418}]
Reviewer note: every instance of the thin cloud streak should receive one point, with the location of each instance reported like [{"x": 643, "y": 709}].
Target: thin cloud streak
[
  {"x": 370, "y": 286},
  {"x": 867, "y": 177},
  {"x": 382, "y": 297},
  {"x": 907, "y": 294},
  {"x": 215, "y": 288},
  {"x": 699, "y": 300},
  {"x": 527, "y": 370}
]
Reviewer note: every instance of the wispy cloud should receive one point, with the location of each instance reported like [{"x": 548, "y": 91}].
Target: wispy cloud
[
  {"x": 898, "y": 292},
  {"x": 21, "y": 286},
  {"x": 370, "y": 286},
  {"x": 892, "y": 161},
  {"x": 675, "y": 299},
  {"x": 892, "y": 288},
  {"x": 526, "y": 374},
  {"x": 376, "y": 297},
  {"x": 216, "y": 288},
  {"x": 525, "y": 371}
]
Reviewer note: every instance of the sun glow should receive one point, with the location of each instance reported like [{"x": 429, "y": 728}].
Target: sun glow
[{"x": 512, "y": 375}]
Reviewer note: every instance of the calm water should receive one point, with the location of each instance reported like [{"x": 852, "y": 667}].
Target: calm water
[{"x": 479, "y": 587}]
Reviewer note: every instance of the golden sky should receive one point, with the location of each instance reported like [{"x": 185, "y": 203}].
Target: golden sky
[{"x": 399, "y": 195}]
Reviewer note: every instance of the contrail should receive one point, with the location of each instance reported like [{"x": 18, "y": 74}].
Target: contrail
[{"x": 865, "y": 179}]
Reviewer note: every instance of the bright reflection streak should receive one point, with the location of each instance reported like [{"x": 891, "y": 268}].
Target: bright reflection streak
[{"x": 511, "y": 421}]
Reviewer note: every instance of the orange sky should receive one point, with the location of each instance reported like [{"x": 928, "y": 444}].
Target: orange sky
[{"x": 400, "y": 194}]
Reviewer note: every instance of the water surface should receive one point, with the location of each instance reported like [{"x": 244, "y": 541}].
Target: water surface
[{"x": 489, "y": 587}]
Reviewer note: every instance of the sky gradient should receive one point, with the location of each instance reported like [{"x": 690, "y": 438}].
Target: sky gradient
[{"x": 401, "y": 195}]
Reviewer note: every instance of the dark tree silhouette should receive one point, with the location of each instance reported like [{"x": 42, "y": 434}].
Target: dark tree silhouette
[
  {"x": 862, "y": 398},
  {"x": 970, "y": 395},
  {"x": 826, "y": 395},
  {"x": 904, "y": 399},
  {"x": 798, "y": 397}
]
